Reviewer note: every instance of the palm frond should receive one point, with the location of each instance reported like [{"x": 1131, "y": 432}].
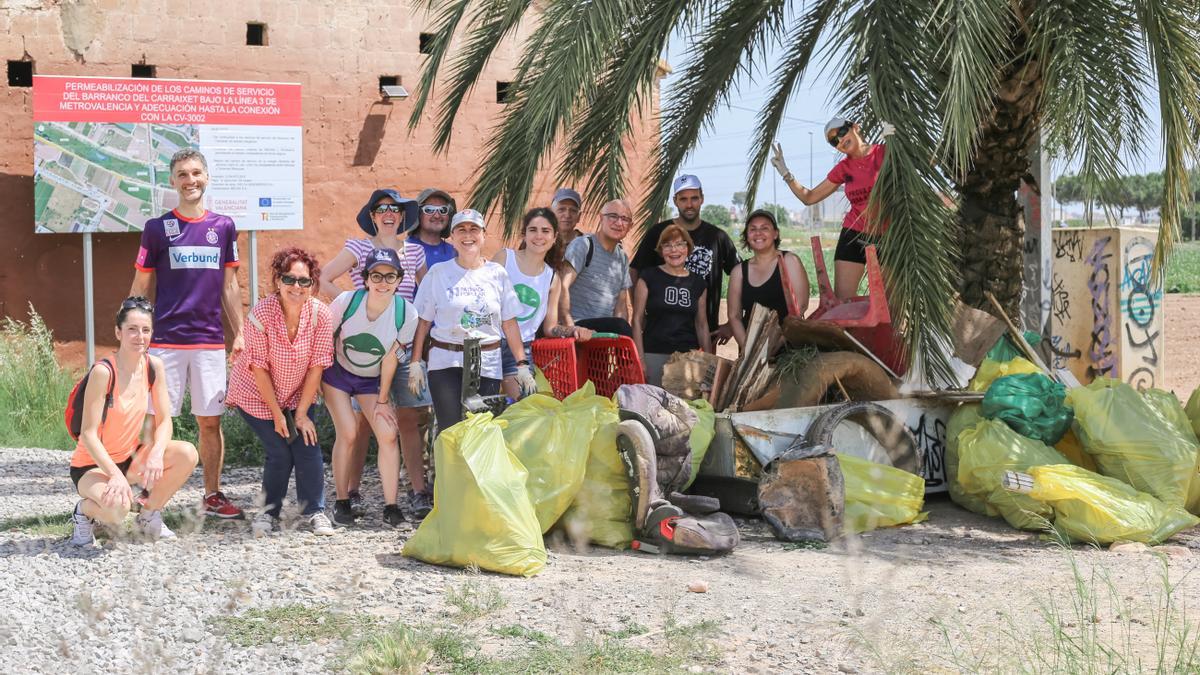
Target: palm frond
[{"x": 449, "y": 15}]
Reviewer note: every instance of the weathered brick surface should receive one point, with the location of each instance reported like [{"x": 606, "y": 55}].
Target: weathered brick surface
[{"x": 337, "y": 49}]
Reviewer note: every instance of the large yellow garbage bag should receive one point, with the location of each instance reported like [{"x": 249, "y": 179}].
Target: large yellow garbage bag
[
  {"x": 551, "y": 438},
  {"x": 1192, "y": 410},
  {"x": 989, "y": 371},
  {"x": 1097, "y": 509},
  {"x": 965, "y": 417},
  {"x": 1072, "y": 449},
  {"x": 602, "y": 512},
  {"x": 878, "y": 495},
  {"x": 1132, "y": 441},
  {"x": 702, "y": 435},
  {"x": 481, "y": 514},
  {"x": 985, "y": 452}
]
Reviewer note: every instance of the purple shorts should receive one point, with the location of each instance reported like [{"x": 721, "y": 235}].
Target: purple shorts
[{"x": 339, "y": 378}]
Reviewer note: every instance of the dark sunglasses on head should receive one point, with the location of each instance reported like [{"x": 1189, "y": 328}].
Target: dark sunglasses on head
[
  {"x": 431, "y": 209},
  {"x": 302, "y": 282},
  {"x": 387, "y": 208},
  {"x": 138, "y": 302},
  {"x": 378, "y": 277},
  {"x": 837, "y": 137}
]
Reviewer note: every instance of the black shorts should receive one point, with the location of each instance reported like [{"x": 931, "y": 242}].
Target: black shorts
[
  {"x": 852, "y": 246},
  {"x": 78, "y": 471}
]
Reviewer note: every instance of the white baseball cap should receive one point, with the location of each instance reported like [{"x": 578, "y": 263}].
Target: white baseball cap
[
  {"x": 467, "y": 216},
  {"x": 685, "y": 181}
]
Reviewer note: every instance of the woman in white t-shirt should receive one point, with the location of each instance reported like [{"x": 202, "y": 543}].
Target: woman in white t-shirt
[
  {"x": 469, "y": 296},
  {"x": 533, "y": 269},
  {"x": 372, "y": 326}
]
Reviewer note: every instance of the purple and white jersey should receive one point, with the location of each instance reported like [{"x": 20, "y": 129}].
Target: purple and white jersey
[{"x": 188, "y": 259}]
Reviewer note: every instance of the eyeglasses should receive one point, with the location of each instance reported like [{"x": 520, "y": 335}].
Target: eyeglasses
[
  {"x": 618, "y": 217},
  {"x": 302, "y": 282},
  {"x": 432, "y": 209},
  {"x": 387, "y": 208},
  {"x": 836, "y": 140},
  {"x": 678, "y": 243},
  {"x": 137, "y": 302},
  {"x": 389, "y": 278}
]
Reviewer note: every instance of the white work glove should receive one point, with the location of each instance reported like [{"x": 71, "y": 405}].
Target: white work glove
[
  {"x": 777, "y": 160},
  {"x": 525, "y": 381},
  {"x": 416, "y": 378},
  {"x": 886, "y": 129}
]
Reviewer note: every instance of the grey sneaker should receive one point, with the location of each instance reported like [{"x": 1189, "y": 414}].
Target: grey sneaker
[
  {"x": 263, "y": 524},
  {"x": 85, "y": 528},
  {"x": 319, "y": 522},
  {"x": 151, "y": 525},
  {"x": 419, "y": 505},
  {"x": 357, "y": 506}
]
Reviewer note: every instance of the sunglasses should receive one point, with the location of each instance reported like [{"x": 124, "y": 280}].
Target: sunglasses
[
  {"x": 137, "y": 302},
  {"x": 302, "y": 282},
  {"x": 837, "y": 137},
  {"x": 387, "y": 208},
  {"x": 389, "y": 278},
  {"x": 431, "y": 209}
]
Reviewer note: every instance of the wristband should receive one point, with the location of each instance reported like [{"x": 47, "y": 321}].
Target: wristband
[
  {"x": 788, "y": 177},
  {"x": 523, "y": 362},
  {"x": 378, "y": 402}
]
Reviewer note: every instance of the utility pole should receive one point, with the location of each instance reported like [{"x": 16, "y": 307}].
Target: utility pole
[{"x": 812, "y": 215}]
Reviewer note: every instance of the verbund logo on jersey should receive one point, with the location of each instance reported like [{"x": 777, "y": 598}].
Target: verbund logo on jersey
[{"x": 195, "y": 257}]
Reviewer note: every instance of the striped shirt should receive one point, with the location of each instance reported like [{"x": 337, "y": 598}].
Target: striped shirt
[{"x": 412, "y": 257}]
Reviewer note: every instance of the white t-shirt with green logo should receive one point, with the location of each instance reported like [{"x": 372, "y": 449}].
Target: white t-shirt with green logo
[
  {"x": 362, "y": 343},
  {"x": 461, "y": 303},
  {"x": 532, "y": 292}
]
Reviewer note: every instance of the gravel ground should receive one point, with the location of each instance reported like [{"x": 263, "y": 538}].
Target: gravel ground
[{"x": 879, "y": 602}]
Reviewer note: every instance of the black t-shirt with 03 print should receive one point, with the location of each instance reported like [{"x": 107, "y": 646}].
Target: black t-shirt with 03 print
[{"x": 671, "y": 306}]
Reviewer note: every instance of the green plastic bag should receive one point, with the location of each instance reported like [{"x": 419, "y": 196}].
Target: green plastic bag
[
  {"x": 551, "y": 438},
  {"x": 602, "y": 512},
  {"x": 1032, "y": 405},
  {"x": 965, "y": 417},
  {"x": 1006, "y": 350},
  {"x": 878, "y": 495},
  {"x": 481, "y": 514},
  {"x": 985, "y": 452},
  {"x": 1132, "y": 441},
  {"x": 701, "y": 436},
  {"x": 989, "y": 371},
  {"x": 1097, "y": 509}
]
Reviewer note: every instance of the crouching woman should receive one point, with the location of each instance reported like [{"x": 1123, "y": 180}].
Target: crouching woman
[
  {"x": 274, "y": 382},
  {"x": 109, "y": 455}
]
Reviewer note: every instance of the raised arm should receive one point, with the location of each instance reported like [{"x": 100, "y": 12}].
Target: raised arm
[{"x": 343, "y": 262}]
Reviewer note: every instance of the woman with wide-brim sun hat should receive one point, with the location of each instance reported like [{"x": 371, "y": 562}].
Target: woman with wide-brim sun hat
[{"x": 857, "y": 171}]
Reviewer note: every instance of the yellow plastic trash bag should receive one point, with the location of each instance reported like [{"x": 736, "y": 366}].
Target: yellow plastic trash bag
[
  {"x": 1072, "y": 449},
  {"x": 602, "y": 512},
  {"x": 1097, "y": 509},
  {"x": 1192, "y": 410},
  {"x": 551, "y": 438},
  {"x": 963, "y": 418},
  {"x": 1132, "y": 441},
  {"x": 985, "y": 452},
  {"x": 481, "y": 514},
  {"x": 702, "y": 435},
  {"x": 878, "y": 495},
  {"x": 543, "y": 384},
  {"x": 990, "y": 371}
]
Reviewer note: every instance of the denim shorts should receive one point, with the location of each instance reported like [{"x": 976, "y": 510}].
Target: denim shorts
[
  {"x": 508, "y": 362},
  {"x": 401, "y": 396}
]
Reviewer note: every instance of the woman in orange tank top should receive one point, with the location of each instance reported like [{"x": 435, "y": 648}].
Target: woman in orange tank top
[{"x": 109, "y": 455}]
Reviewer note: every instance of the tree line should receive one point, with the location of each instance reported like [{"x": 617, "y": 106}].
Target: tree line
[{"x": 1141, "y": 194}]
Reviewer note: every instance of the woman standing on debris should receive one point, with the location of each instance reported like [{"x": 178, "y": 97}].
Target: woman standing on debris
[
  {"x": 772, "y": 278},
  {"x": 274, "y": 382},
  {"x": 467, "y": 297},
  {"x": 384, "y": 218},
  {"x": 109, "y": 455},
  {"x": 668, "y": 303},
  {"x": 858, "y": 172}
]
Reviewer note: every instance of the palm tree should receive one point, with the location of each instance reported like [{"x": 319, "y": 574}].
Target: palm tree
[{"x": 968, "y": 84}]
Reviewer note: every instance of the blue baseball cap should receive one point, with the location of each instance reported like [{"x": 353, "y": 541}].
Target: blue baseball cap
[
  {"x": 381, "y": 256},
  {"x": 564, "y": 194},
  {"x": 412, "y": 212}
]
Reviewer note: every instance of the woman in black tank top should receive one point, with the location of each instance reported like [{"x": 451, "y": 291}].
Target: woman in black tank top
[{"x": 783, "y": 272}]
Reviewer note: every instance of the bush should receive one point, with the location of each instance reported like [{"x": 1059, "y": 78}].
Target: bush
[{"x": 33, "y": 387}]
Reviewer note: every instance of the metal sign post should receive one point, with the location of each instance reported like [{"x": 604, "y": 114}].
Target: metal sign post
[
  {"x": 253, "y": 268},
  {"x": 89, "y": 301}
]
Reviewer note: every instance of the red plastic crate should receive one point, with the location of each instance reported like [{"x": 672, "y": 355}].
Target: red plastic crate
[
  {"x": 555, "y": 357},
  {"x": 609, "y": 363}
]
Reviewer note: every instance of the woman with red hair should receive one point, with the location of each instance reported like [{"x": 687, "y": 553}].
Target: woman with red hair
[{"x": 289, "y": 344}]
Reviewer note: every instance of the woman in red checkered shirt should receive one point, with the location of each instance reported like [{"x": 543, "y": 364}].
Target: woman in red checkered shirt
[{"x": 289, "y": 344}]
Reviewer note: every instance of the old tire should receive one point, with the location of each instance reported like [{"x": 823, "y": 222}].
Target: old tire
[{"x": 890, "y": 431}]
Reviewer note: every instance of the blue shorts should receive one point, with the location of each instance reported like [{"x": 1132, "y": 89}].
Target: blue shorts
[
  {"x": 508, "y": 362},
  {"x": 401, "y": 396},
  {"x": 339, "y": 378}
]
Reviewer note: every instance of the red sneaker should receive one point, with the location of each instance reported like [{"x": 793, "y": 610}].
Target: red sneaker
[{"x": 217, "y": 505}]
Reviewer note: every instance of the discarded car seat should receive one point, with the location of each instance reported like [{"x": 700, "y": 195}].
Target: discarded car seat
[
  {"x": 672, "y": 420},
  {"x": 860, "y": 377},
  {"x": 1032, "y": 405},
  {"x": 878, "y": 495},
  {"x": 802, "y": 494},
  {"x": 890, "y": 431}
]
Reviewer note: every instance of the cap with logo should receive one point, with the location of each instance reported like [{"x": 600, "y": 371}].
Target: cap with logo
[
  {"x": 566, "y": 194},
  {"x": 835, "y": 124},
  {"x": 685, "y": 181},
  {"x": 381, "y": 256},
  {"x": 467, "y": 216},
  {"x": 410, "y": 208}
]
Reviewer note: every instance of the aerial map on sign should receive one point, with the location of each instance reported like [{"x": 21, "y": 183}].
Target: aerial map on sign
[{"x": 103, "y": 177}]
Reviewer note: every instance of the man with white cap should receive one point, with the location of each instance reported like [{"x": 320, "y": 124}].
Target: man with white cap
[
  {"x": 713, "y": 255},
  {"x": 566, "y": 206},
  {"x": 436, "y": 209}
]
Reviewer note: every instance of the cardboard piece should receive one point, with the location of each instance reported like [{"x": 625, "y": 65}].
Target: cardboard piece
[{"x": 696, "y": 375}]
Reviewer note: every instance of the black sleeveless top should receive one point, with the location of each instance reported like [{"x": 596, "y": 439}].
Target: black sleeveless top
[{"x": 769, "y": 294}]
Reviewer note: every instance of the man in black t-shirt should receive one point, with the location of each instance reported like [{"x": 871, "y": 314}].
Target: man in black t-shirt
[{"x": 713, "y": 256}]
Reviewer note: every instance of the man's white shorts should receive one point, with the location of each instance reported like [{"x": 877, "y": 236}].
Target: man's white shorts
[{"x": 199, "y": 371}]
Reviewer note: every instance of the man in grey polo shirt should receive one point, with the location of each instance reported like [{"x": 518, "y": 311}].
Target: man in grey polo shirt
[{"x": 597, "y": 277}]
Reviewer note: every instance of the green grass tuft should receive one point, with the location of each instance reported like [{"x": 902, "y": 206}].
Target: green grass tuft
[
  {"x": 33, "y": 387},
  {"x": 398, "y": 650},
  {"x": 474, "y": 599},
  {"x": 292, "y": 623}
]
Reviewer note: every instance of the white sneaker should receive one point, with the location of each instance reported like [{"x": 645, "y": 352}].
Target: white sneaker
[
  {"x": 85, "y": 528},
  {"x": 151, "y": 525},
  {"x": 263, "y": 524},
  {"x": 320, "y": 524}
]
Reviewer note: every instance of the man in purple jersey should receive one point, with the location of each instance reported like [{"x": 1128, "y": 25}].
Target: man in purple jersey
[{"x": 192, "y": 255}]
